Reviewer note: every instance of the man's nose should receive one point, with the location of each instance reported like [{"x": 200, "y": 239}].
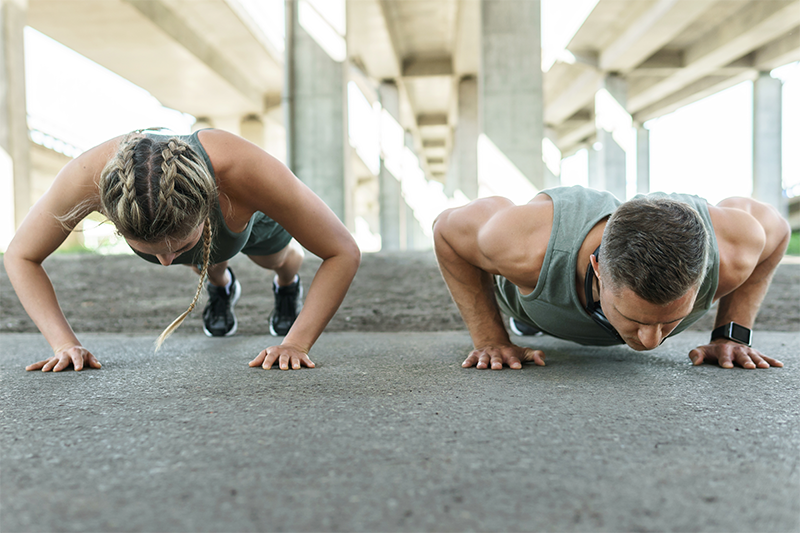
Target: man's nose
[
  {"x": 166, "y": 259},
  {"x": 650, "y": 336}
]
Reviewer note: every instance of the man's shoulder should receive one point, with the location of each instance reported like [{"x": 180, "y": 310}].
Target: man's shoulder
[{"x": 515, "y": 239}]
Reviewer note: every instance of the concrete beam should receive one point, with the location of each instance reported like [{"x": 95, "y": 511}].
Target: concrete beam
[
  {"x": 578, "y": 95},
  {"x": 176, "y": 27},
  {"x": 756, "y": 24},
  {"x": 427, "y": 67},
  {"x": 655, "y": 28},
  {"x": 692, "y": 93},
  {"x": 781, "y": 51}
]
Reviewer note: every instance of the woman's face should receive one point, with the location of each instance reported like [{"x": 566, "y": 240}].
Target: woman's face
[{"x": 168, "y": 249}]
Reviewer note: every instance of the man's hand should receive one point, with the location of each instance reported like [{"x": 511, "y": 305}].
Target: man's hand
[
  {"x": 495, "y": 356},
  {"x": 77, "y": 356},
  {"x": 727, "y": 353},
  {"x": 285, "y": 354}
]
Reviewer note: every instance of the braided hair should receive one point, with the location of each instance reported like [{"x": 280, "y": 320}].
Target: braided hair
[{"x": 156, "y": 189}]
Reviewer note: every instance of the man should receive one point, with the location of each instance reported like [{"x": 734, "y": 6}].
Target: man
[{"x": 580, "y": 265}]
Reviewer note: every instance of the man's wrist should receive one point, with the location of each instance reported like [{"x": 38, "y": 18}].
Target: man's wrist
[{"x": 733, "y": 332}]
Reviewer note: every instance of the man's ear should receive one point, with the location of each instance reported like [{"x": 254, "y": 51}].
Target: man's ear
[{"x": 595, "y": 266}]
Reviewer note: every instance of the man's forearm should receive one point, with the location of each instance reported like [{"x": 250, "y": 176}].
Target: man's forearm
[{"x": 472, "y": 290}]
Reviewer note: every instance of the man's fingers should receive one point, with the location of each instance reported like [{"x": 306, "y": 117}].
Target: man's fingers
[
  {"x": 537, "y": 356},
  {"x": 771, "y": 361},
  {"x": 93, "y": 362},
  {"x": 697, "y": 357}
]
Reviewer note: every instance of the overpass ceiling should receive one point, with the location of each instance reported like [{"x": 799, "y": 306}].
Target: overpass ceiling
[
  {"x": 196, "y": 56},
  {"x": 201, "y": 57}
]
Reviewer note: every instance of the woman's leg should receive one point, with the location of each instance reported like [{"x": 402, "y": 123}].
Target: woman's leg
[
  {"x": 223, "y": 293},
  {"x": 217, "y": 274},
  {"x": 285, "y": 263},
  {"x": 286, "y": 286}
]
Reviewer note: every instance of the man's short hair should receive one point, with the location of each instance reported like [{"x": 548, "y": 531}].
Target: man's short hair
[{"x": 657, "y": 247}]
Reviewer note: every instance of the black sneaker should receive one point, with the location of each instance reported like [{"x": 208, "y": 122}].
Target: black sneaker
[
  {"x": 522, "y": 329},
  {"x": 218, "y": 317},
  {"x": 288, "y": 303}
]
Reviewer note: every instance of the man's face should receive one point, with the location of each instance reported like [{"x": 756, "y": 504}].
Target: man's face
[{"x": 643, "y": 325}]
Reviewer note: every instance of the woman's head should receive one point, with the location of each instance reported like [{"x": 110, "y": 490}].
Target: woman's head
[{"x": 156, "y": 191}]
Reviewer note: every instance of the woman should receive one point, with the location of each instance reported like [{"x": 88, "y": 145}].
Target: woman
[{"x": 195, "y": 200}]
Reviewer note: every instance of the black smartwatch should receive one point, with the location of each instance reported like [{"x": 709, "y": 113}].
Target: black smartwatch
[{"x": 734, "y": 332}]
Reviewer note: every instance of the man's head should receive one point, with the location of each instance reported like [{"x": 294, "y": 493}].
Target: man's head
[
  {"x": 653, "y": 259},
  {"x": 656, "y": 247}
]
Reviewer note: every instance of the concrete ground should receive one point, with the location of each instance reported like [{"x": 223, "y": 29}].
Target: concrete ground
[{"x": 388, "y": 433}]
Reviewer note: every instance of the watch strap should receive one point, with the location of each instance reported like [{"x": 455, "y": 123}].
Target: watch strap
[{"x": 733, "y": 331}]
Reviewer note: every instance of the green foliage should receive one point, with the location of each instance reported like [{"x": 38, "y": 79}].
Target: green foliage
[{"x": 794, "y": 244}]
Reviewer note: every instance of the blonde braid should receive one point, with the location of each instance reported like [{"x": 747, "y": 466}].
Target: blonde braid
[
  {"x": 206, "y": 260},
  {"x": 127, "y": 178}
]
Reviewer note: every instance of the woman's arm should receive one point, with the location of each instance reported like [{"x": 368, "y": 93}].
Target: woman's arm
[
  {"x": 37, "y": 237},
  {"x": 253, "y": 181}
]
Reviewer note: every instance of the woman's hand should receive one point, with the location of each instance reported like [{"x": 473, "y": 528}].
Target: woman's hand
[
  {"x": 285, "y": 354},
  {"x": 78, "y": 356}
]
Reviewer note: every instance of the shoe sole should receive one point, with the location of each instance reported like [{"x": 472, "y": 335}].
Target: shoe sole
[
  {"x": 237, "y": 291},
  {"x": 512, "y": 325}
]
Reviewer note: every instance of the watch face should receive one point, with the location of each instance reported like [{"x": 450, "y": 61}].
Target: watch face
[{"x": 740, "y": 333}]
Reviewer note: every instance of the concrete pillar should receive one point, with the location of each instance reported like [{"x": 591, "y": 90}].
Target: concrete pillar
[
  {"x": 642, "y": 159},
  {"x": 202, "y": 123},
  {"x": 15, "y": 175},
  {"x": 767, "y": 178},
  {"x": 251, "y": 127},
  {"x": 463, "y": 172},
  {"x": 390, "y": 197},
  {"x": 607, "y": 166},
  {"x": 316, "y": 124},
  {"x": 510, "y": 83}
]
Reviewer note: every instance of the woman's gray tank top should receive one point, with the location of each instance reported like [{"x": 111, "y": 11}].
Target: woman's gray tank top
[
  {"x": 225, "y": 243},
  {"x": 553, "y": 306}
]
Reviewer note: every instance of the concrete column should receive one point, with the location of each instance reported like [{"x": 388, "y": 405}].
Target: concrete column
[
  {"x": 251, "y": 127},
  {"x": 15, "y": 175},
  {"x": 390, "y": 197},
  {"x": 463, "y": 171},
  {"x": 510, "y": 83},
  {"x": 767, "y": 178},
  {"x": 316, "y": 124},
  {"x": 608, "y": 169},
  {"x": 642, "y": 160}
]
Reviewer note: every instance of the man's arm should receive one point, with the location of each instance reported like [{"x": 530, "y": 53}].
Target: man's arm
[
  {"x": 752, "y": 239},
  {"x": 469, "y": 249}
]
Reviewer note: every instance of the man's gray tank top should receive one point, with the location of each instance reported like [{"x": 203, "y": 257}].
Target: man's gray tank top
[
  {"x": 553, "y": 306},
  {"x": 225, "y": 242}
]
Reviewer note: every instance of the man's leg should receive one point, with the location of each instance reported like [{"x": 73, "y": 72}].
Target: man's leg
[{"x": 286, "y": 286}]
